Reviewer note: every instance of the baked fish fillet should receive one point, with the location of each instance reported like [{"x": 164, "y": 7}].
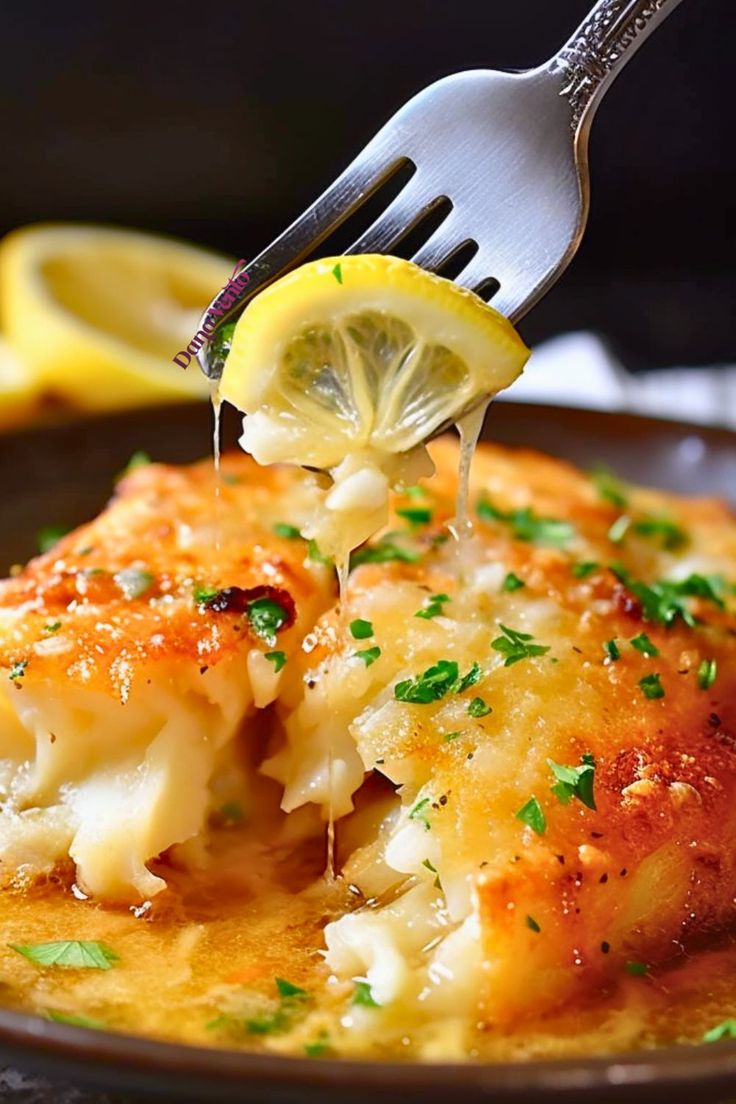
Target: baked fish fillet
[
  {"x": 555, "y": 700},
  {"x": 130, "y": 656}
]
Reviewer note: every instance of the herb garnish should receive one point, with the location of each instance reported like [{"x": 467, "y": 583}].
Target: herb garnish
[
  {"x": 266, "y": 618},
  {"x": 643, "y": 644},
  {"x": 417, "y": 812},
  {"x": 479, "y": 708},
  {"x": 415, "y": 515},
  {"x": 133, "y": 582},
  {"x": 139, "y": 459},
  {"x": 277, "y": 658},
  {"x": 385, "y": 551},
  {"x": 612, "y": 650},
  {"x": 201, "y": 593},
  {"x": 672, "y": 535},
  {"x": 574, "y": 781},
  {"x": 609, "y": 486},
  {"x": 316, "y": 556},
  {"x": 515, "y": 646},
  {"x": 532, "y": 924},
  {"x": 361, "y": 629},
  {"x": 291, "y": 998},
  {"x": 663, "y": 601},
  {"x": 637, "y": 969},
  {"x": 619, "y": 529},
  {"x": 337, "y": 273},
  {"x": 434, "y": 608},
  {"x": 231, "y": 812},
  {"x": 368, "y": 655},
  {"x": 707, "y": 672},
  {"x": 532, "y": 814},
  {"x": 583, "y": 570},
  {"x": 437, "y": 681},
  {"x": 511, "y": 583},
  {"x": 72, "y": 953},
  {"x": 50, "y": 535},
  {"x": 52, "y": 627},
  {"x": 288, "y": 532},
  {"x": 526, "y": 525},
  {"x": 724, "y": 1030},
  {"x": 18, "y": 670},
  {"x": 74, "y": 1020},
  {"x": 651, "y": 687},
  {"x": 363, "y": 995},
  {"x": 433, "y": 870}
]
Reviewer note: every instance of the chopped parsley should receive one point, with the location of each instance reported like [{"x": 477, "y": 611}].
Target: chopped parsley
[
  {"x": 532, "y": 814},
  {"x": 479, "y": 708},
  {"x": 289, "y": 991},
  {"x": 450, "y": 736},
  {"x": 515, "y": 646},
  {"x": 139, "y": 459},
  {"x": 637, "y": 969},
  {"x": 314, "y": 554},
  {"x": 277, "y": 658},
  {"x": 361, "y": 629},
  {"x": 574, "y": 781},
  {"x": 707, "y": 672},
  {"x": 609, "y": 486},
  {"x": 434, "y": 607},
  {"x": 643, "y": 644},
  {"x": 419, "y": 812},
  {"x": 583, "y": 570},
  {"x": 415, "y": 515},
  {"x": 532, "y": 924},
  {"x": 266, "y": 618},
  {"x": 201, "y": 593},
  {"x": 50, "y": 535},
  {"x": 292, "y": 997},
  {"x": 52, "y": 627},
  {"x": 724, "y": 1030},
  {"x": 363, "y": 995},
  {"x": 18, "y": 670},
  {"x": 368, "y": 655},
  {"x": 512, "y": 582},
  {"x": 415, "y": 491},
  {"x": 320, "y": 1046},
  {"x": 671, "y": 534},
  {"x": 619, "y": 529},
  {"x": 385, "y": 551},
  {"x": 337, "y": 273},
  {"x": 436, "y": 682},
  {"x": 528, "y": 526},
  {"x": 231, "y": 812},
  {"x": 288, "y": 532},
  {"x": 72, "y": 953},
  {"x": 663, "y": 601},
  {"x": 75, "y": 1020},
  {"x": 433, "y": 870},
  {"x": 612, "y": 650},
  {"x": 133, "y": 582},
  {"x": 651, "y": 687}
]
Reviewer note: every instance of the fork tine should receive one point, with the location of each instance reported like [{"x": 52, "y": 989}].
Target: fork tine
[
  {"x": 407, "y": 209},
  {"x": 443, "y": 243}
]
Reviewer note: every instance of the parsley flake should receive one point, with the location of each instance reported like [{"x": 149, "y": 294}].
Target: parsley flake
[
  {"x": 50, "y": 535},
  {"x": 201, "y": 593},
  {"x": 479, "y": 708},
  {"x": 368, "y": 655},
  {"x": 612, "y": 650},
  {"x": 643, "y": 644},
  {"x": 532, "y": 814},
  {"x": 574, "y": 781},
  {"x": 18, "y": 670},
  {"x": 139, "y": 459},
  {"x": 289, "y": 991},
  {"x": 266, "y": 618},
  {"x": 436, "y": 682},
  {"x": 288, "y": 532},
  {"x": 528, "y": 526},
  {"x": 363, "y": 995},
  {"x": 277, "y": 658},
  {"x": 724, "y": 1030},
  {"x": 383, "y": 552},
  {"x": 419, "y": 811},
  {"x": 320, "y": 1046},
  {"x": 651, "y": 687},
  {"x": 316, "y": 556},
  {"x": 609, "y": 486},
  {"x": 433, "y": 870},
  {"x": 74, "y": 1020},
  {"x": 583, "y": 570},
  {"x": 450, "y": 736},
  {"x": 707, "y": 672},
  {"x": 361, "y": 629},
  {"x": 637, "y": 969},
  {"x": 532, "y": 924},
  {"x": 52, "y": 627},
  {"x": 71, "y": 953},
  {"x": 415, "y": 515},
  {"x": 515, "y": 646},
  {"x": 663, "y": 601},
  {"x": 512, "y": 582},
  {"x": 672, "y": 536},
  {"x": 434, "y": 607},
  {"x": 337, "y": 273}
]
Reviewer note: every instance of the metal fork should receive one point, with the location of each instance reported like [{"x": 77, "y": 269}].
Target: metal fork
[{"x": 509, "y": 151}]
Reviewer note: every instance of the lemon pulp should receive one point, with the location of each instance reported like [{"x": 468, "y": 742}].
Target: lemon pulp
[{"x": 348, "y": 365}]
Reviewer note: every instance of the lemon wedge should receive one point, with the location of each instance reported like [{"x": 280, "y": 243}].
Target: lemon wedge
[
  {"x": 349, "y": 364},
  {"x": 97, "y": 314},
  {"x": 18, "y": 391}
]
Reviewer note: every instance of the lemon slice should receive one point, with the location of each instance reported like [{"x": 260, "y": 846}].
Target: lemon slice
[
  {"x": 18, "y": 391},
  {"x": 349, "y": 365},
  {"x": 362, "y": 352},
  {"x": 98, "y": 314}
]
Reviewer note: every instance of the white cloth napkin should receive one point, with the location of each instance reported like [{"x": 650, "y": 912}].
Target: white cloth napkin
[{"x": 578, "y": 369}]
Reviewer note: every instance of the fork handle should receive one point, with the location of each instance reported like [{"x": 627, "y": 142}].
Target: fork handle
[{"x": 596, "y": 53}]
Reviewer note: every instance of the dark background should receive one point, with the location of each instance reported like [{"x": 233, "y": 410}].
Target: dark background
[{"x": 220, "y": 123}]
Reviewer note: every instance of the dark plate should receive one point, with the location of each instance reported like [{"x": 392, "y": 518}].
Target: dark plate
[{"x": 63, "y": 474}]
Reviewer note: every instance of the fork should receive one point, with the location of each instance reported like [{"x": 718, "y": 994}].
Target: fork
[{"x": 504, "y": 155}]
